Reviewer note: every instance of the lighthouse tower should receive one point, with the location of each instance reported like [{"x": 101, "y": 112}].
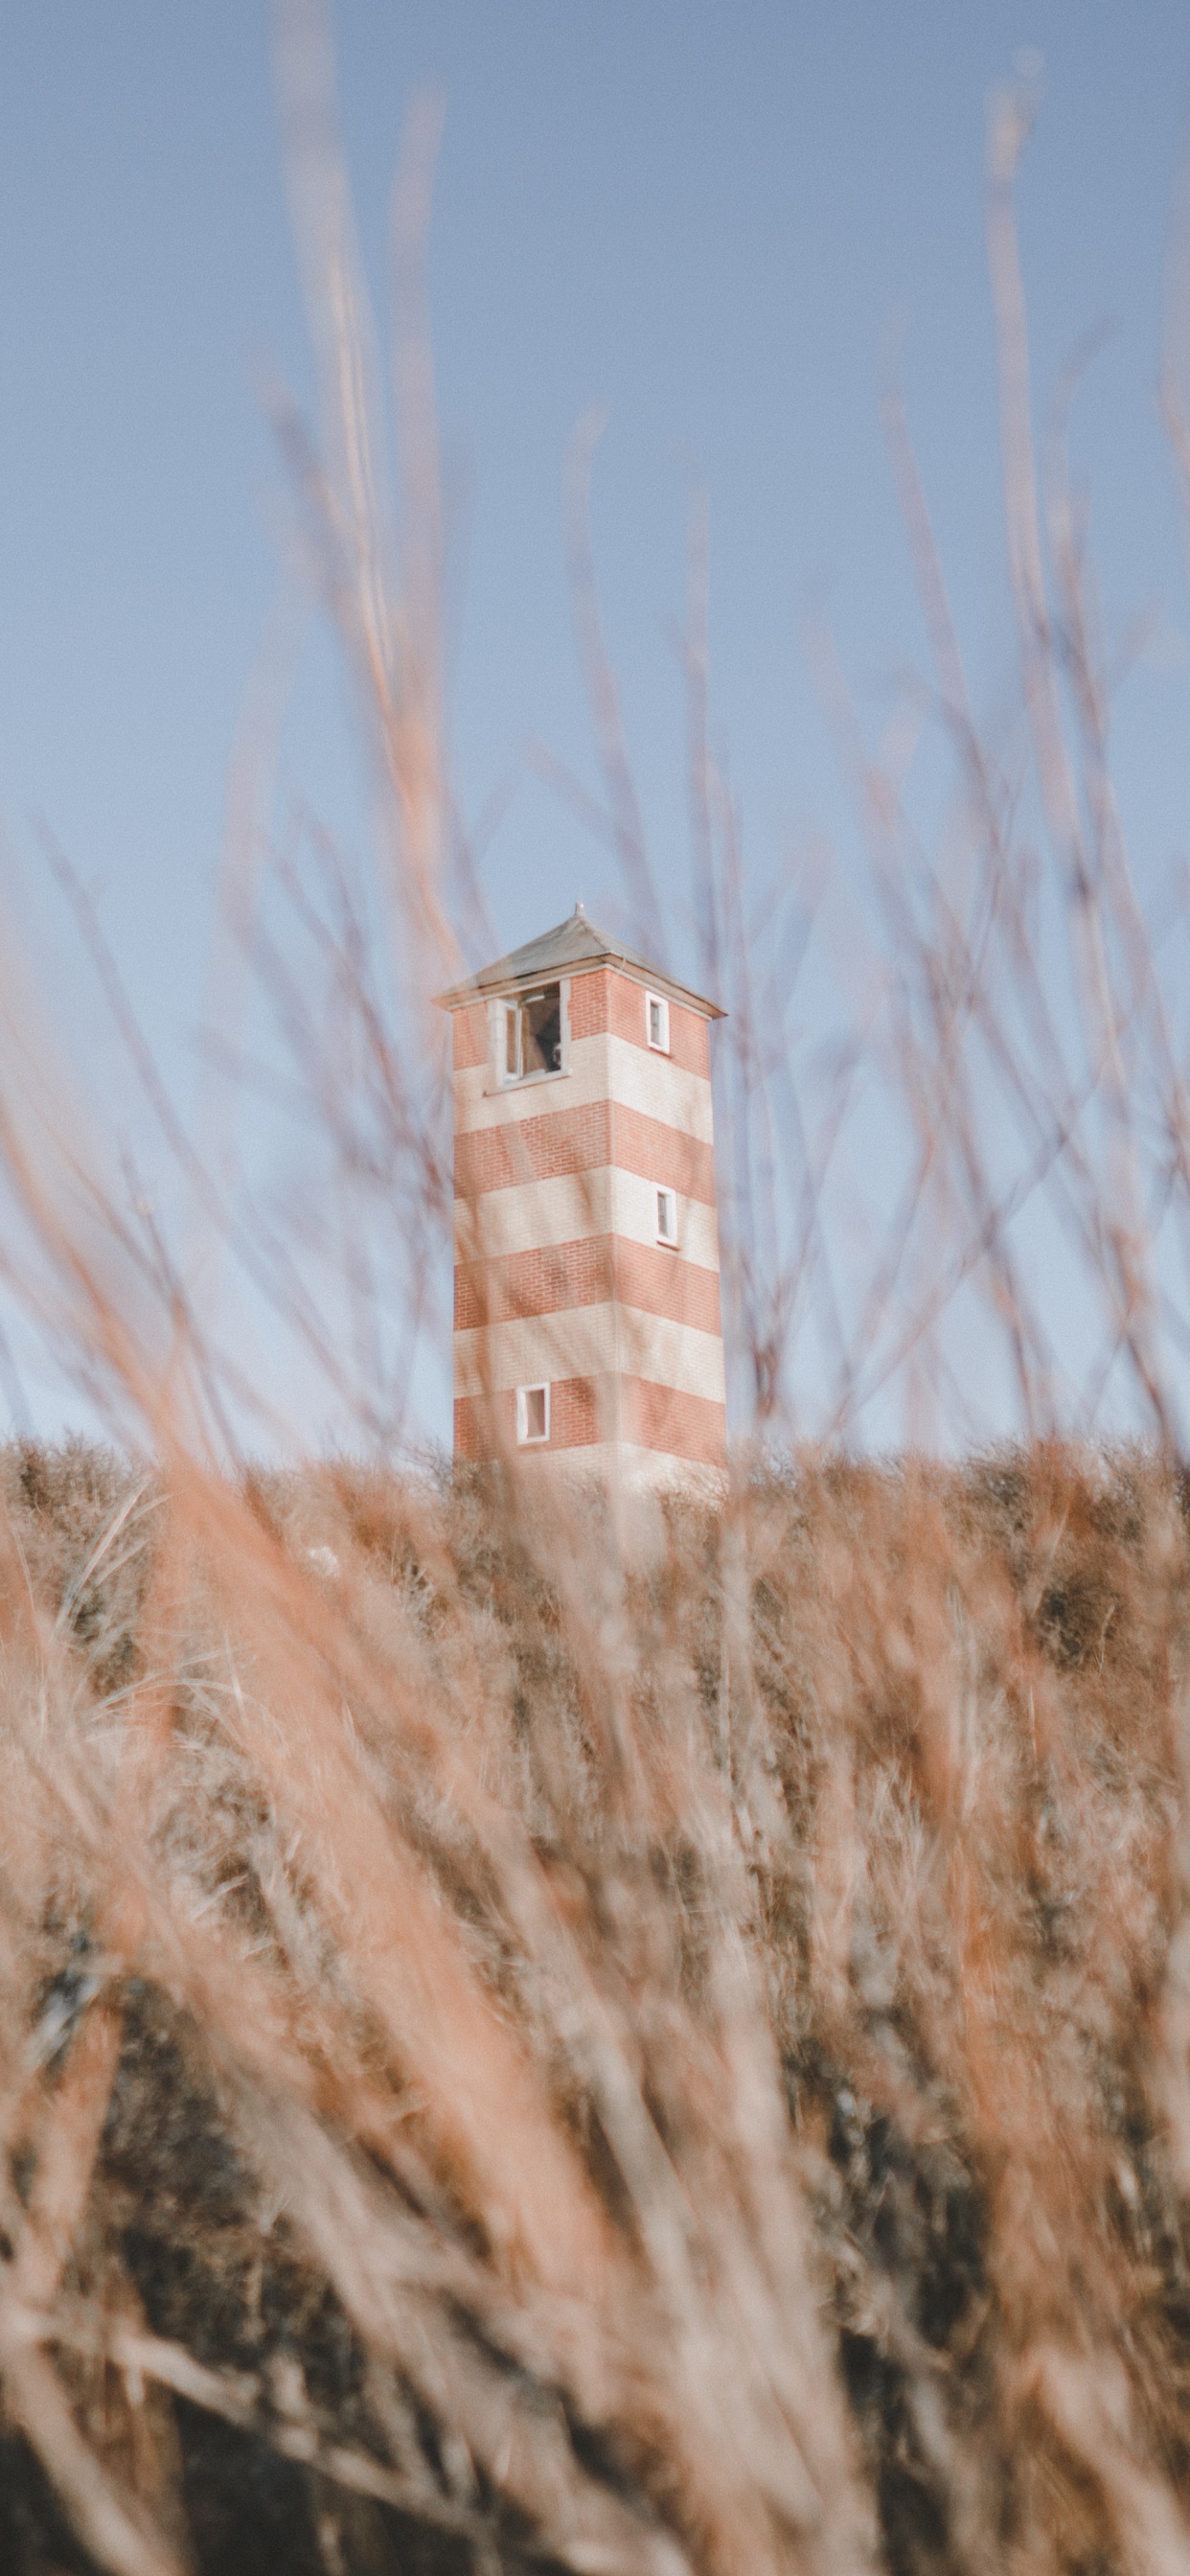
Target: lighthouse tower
[{"x": 587, "y": 1323}]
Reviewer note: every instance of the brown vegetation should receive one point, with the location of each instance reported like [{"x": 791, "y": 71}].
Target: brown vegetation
[{"x": 514, "y": 2064}]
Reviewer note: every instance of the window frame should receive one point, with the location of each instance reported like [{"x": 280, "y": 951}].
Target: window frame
[
  {"x": 656, "y": 1002},
  {"x": 525, "y": 1438},
  {"x": 510, "y": 1020},
  {"x": 661, "y": 1190},
  {"x": 507, "y": 1008}
]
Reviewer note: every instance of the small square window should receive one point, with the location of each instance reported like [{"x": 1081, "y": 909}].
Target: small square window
[
  {"x": 657, "y": 1022},
  {"x": 532, "y": 1414},
  {"x": 666, "y": 1206}
]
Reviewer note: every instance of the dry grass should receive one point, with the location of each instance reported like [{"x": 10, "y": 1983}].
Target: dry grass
[{"x": 510, "y": 2065}]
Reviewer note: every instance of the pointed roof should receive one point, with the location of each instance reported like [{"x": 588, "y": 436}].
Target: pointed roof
[{"x": 576, "y": 943}]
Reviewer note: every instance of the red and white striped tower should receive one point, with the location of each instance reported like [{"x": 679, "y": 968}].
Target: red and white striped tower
[{"x": 587, "y": 1322}]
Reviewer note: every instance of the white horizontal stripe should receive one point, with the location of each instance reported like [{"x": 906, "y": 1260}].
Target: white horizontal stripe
[
  {"x": 533, "y": 1213},
  {"x": 626, "y": 1462},
  {"x": 587, "y": 1341},
  {"x": 601, "y": 1068}
]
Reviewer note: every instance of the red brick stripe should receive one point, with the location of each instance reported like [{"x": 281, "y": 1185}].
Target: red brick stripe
[
  {"x": 470, "y": 1033},
  {"x": 580, "y": 1412},
  {"x": 682, "y": 1426},
  {"x": 559, "y": 1276},
  {"x": 604, "y": 1000},
  {"x": 599, "y": 1001},
  {"x": 586, "y": 1409},
  {"x": 560, "y": 1141}
]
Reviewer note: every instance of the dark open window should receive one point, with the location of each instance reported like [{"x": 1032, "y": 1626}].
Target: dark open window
[
  {"x": 533, "y": 1034},
  {"x": 541, "y": 1017}
]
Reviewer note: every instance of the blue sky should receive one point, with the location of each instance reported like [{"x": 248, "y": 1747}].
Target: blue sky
[{"x": 708, "y": 221}]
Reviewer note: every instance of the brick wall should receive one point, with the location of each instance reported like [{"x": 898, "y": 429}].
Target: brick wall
[
  {"x": 606, "y": 1002},
  {"x": 584, "y": 1410},
  {"x": 581, "y": 1140},
  {"x": 470, "y": 1030},
  {"x": 553, "y": 1277}
]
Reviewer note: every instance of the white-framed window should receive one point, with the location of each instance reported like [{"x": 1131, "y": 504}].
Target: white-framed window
[
  {"x": 532, "y": 1414},
  {"x": 657, "y": 1022},
  {"x": 529, "y": 1041},
  {"x": 665, "y": 1217}
]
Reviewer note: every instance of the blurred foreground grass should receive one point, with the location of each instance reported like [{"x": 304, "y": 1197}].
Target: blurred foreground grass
[{"x": 509, "y": 2061}]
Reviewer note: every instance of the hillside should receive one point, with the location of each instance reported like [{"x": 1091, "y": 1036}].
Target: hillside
[{"x": 511, "y": 2063}]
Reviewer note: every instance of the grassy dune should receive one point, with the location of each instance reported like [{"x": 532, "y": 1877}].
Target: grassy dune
[{"x": 510, "y": 2062}]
